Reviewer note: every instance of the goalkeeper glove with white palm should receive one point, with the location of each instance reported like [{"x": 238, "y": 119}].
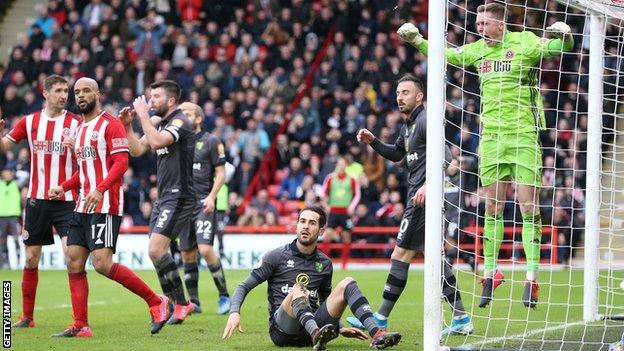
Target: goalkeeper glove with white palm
[
  {"x": 559, "y": 30},
  {"x": 410, "y": 34}
]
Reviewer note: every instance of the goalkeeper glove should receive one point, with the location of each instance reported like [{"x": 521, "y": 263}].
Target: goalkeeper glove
[
  {"x": 559, "y": 30},
  {"x": 409, "y": 34}
]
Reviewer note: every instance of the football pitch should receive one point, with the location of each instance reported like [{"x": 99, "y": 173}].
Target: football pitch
[{"x": 119, "y": 319}]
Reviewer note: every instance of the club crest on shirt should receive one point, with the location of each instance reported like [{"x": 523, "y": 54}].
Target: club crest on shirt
[
  {"x": 318, "y": 267},
  {"x": 199, "y": 145}
]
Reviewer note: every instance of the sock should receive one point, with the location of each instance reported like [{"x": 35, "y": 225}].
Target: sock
[
  {"x": 492, "y": 240},
  {"x": 397, "y": 279},
  {"x": 219, "y": 277},
  {"x": 532, "y": 240},
  {"x": 126, "y": 277},
  {"x": 191, "y": 276},
  {"x": 360, "y": 307},
  {"x": 79, "y": 290},
  {"x": 450, "y": 291},
  {"x": 170, "y": 279},
  {"x": 303, "y": 311},
  {"x": 30, "y": 278}
]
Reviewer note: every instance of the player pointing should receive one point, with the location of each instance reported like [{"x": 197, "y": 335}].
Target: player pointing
[{"x": 511, "y": 115}]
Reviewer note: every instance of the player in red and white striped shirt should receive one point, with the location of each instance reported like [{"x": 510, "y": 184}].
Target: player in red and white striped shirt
[
  {"x": 51, "y": 163},
  {"x": 101, "y": 149}
]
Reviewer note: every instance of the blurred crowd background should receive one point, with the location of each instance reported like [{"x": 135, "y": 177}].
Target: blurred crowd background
[{"x": 244, "y": 62}]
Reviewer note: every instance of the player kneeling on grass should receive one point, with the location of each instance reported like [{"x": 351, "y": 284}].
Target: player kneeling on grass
[
  {"x": 304, "y": 310},
  {"x": 101, "y": 149}
]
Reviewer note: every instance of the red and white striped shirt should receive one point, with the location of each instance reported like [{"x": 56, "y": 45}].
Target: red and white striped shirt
[
  {"x": 50, "y": 162},
  {"x": 96, "y": 142}
]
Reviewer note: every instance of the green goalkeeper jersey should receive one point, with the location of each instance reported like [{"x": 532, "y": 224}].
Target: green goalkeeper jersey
[{"x": 508, "y": 74}]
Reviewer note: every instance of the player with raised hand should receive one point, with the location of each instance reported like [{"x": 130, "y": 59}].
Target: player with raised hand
[
  {"x": 51, "y": 163},
  {"x": 511, "y": 115},
  {"x": 101, "y": 150},
  {"x": 173, "y": 142},
  {"x": 411, "y": 145}
]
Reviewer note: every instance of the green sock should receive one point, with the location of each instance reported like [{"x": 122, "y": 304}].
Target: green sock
[
  {"x": 492, "y": 240},
  {"x": 532, "y": 240}
]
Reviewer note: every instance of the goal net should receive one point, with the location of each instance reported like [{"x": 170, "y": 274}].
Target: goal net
[{"x": 581, "y": 200}]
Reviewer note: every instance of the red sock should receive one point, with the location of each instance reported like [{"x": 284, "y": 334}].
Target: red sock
[
  {"x": 126, "y": 277},
  {"x": 30, "y": 278},
  {"x": 79, "y": 290}
]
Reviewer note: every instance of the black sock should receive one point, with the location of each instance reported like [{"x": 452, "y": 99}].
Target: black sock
[
  {"x": 191, "y": 277},
  {"x": 397, "y": 279},
  {"x": 219, "y": 278},
  {"x": 303, "y": 311},
  {"x": 450, "y": 291},
  {"x": 360, "y": 307},
  {"x": 170, "y": 279}
]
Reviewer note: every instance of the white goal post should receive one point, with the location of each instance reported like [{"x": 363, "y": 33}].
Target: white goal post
[{"x": 598, "y": 13}]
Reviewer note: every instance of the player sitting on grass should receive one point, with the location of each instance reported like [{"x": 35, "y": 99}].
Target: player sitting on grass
[{"x": 304, "y": 310}]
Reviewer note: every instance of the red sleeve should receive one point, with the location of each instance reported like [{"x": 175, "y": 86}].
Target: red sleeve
[
  {"x": 116, "y": 137},
  {"x": 120, "y": 166},
  {"x": 18, "y": 133},
  {"x": 327, "y": 184},
  {"x": 71, "y": 183}
]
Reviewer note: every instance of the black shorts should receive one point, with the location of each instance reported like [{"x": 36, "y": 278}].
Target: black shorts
[
  {"x": 203, "y": 228},
  {"x": 287, "y": 331},
  {"x": 41, "y": 216},
  {"x": 94, "y": 230},
  {"x": 339, "y": 220},
  {"x": 171, "y": 217},
  {"x": 411, "y": 234}
]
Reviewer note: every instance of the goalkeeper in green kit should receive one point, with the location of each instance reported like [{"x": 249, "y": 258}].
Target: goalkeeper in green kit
[{"x": 511, "y": 115}]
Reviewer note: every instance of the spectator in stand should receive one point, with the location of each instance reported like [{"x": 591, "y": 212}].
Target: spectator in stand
[
  {"x": 262, "y": 203},
  {"x": 253, "y": 142},
  {"x": 149, "y": 34},
  {"x": 291, "y": 184}
]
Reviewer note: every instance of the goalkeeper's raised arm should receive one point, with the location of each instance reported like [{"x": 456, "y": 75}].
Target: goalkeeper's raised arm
[{"x": 493, "y": 31}]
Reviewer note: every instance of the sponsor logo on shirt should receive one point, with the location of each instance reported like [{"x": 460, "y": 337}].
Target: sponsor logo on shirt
[
  {"x": 197, "y": 166},
  {"x": 48, "y": 147},
  {"x": 95, "y": 135},
  {"x": 162, "y": 151},
  {"x": 490, "y": 66},
  {"x": 287, "y": 289},
  {"x": 290, "y": 264},
  {"x": 86, "y": 153},
  {"x": 509, "y": 54},
  {"x": 412, "y": 157}
]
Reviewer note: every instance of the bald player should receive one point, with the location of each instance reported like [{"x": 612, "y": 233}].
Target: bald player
[
  {"x": 101, "y": 151},
  {"x": 208, "y": 178}
]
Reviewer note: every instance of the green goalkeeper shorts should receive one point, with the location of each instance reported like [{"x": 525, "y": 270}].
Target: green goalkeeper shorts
[{"x": 516, "y": 157}]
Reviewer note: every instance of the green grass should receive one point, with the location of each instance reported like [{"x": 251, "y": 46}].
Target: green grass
[{"x": 120, "y": 319}]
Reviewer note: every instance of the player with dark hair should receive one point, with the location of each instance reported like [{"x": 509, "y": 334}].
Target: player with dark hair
[
  {"x": 101, "y": 149},
  {"x": 51, "y": 163},
  {"x": 303, "y": 308},
  {"x": 173, "y": 142},
  {"x": 412, "y": 145}
]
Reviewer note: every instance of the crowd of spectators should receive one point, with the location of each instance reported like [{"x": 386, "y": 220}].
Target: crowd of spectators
[{"x": 243, "y": 62}]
